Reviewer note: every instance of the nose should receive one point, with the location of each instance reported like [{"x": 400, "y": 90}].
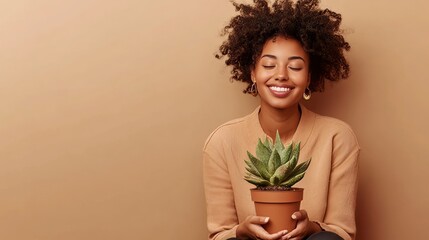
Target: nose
[{"x": 281, "y": 74}]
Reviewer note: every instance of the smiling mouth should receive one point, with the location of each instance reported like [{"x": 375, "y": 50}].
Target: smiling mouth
[{"x": 280, "y": 89}]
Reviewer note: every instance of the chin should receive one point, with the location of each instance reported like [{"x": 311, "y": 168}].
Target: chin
[{"x": 282, "y": 106}]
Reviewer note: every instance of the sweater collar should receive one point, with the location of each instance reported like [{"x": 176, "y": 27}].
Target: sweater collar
[{"x": 302, "y": 133}]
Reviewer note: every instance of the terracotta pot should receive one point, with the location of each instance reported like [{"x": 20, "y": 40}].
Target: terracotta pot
[{"x": 278, "y": 206}]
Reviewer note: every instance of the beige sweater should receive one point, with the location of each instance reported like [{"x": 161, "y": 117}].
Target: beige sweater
[{"x": 330, "y": 183}]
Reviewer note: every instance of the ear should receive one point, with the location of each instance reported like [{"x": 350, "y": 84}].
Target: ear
[
  {"x": 309, "y": 80},
  {"x": 252, "y": 74}
]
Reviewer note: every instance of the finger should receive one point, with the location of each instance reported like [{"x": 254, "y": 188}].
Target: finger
[
  {"x": 265, "y": 235},
  {"x": 291, "y": 234},
  {"x": 300, "y": 215},
  {"x": 287, "y": 238},
  {"x": 259, "y": 220},
  {"x": 298, "y": 232},
  {"x": 284, "y": 238},
  {"x": 295, "y": 238}
]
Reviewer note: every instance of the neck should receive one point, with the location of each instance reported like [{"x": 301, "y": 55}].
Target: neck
[{"x": 284, "y": 120}]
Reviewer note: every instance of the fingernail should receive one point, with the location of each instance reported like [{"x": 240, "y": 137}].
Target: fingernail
[
  {"x": 266, "y": 219},
  {"x": 293, "y": 216}
]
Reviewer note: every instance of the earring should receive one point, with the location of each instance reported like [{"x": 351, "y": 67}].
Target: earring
[
  {"x": 307, "y": 94},
  {"x": 253, "y": 89}
]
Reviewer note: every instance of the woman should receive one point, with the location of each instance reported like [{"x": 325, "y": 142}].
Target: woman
[{"x": 284, "y": 51}]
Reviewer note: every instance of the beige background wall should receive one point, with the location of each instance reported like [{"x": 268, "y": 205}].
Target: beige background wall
[{"x": 105, "y": 105}]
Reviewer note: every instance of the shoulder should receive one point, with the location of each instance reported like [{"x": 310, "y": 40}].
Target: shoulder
[
  {"x": 340, "y": 131},
  {"x": 226, "y": 131},
  {"x": 333, "y": 125}
]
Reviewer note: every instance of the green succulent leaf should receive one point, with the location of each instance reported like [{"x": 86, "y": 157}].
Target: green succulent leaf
[
  {"x": 278, "y": 143},
  {"x": 301, "y": 168},
  {"x": 274, "y": 180},
  {"x": 274, "y": 162},
  {"x": 251, "y": 168},
  {"x": 268, "y": 143},
  {"x": 254, "y": 176},
  {"x": 249, "y": 163},
  {"x": 285, "y": 154},
  {"x": 296, "y": 149},
  {"x": 293, "y": 161},
  {"x": 263, "y": 152},
  {"x": 291, "y": 181},
  {"x": 281, "y": 173},
  {"x": 256, "y": 180},
  {"x": 259, "y": 165}
]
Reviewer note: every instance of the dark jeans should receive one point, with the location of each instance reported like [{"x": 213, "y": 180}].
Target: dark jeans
[
  {"x": 317, "y": 236},
  {"x": 324, "y": 236}
]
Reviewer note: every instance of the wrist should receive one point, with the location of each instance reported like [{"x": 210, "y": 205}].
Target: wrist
[
  {"x": 239, "y": 232},
  {"x": 316, "y": 227}
]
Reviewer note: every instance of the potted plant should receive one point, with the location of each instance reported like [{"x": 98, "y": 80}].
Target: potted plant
[{"x": 274, "y": 171}]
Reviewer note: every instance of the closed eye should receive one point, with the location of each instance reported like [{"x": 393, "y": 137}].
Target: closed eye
[
  {"x": 295, "y": 68},
  {"x": 268, "y": 66}
]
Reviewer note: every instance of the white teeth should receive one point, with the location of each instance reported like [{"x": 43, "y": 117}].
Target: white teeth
[{"x": 279, "y": 89}]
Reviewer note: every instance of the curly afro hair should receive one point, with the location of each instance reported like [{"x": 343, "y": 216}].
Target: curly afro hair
[{"x": 318, "y": 31}]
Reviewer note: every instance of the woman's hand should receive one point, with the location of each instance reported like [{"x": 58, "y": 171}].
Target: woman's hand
[
  {"x": 251, "y": 228},
  {"x": 304, "y": 227}
]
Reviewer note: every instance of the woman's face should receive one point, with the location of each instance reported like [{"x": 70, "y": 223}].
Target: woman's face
[{"x": 281, "y": 73}]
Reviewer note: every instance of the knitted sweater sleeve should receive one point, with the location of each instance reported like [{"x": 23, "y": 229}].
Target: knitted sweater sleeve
[
  {"x": 341, "y": 202},
  {"x": 222, "y": 218}
]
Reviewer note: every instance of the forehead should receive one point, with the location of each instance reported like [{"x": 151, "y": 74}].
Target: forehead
[{"x": 282, "y": 47}]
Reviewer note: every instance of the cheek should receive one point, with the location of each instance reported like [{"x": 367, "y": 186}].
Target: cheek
[
  {"x": 300, "y": 78},
  {"x": 263, "y": 76}
]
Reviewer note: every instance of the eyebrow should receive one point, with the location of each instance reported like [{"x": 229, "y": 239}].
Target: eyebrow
[{"x": 289, "y": 58}]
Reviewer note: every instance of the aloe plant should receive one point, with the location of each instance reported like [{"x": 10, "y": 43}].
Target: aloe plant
[{"x": 275, "y": 165}]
